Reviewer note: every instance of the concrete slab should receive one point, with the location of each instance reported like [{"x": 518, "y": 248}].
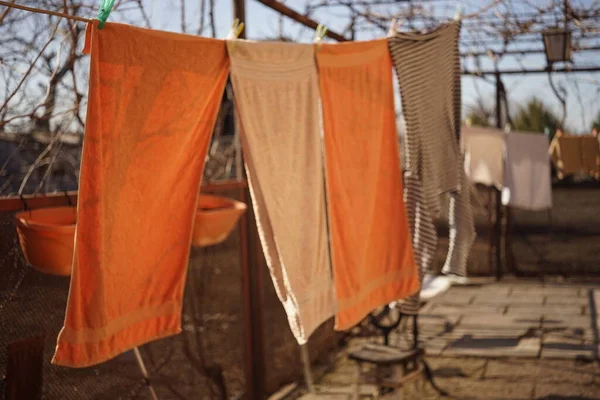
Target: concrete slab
[
  {"x": 567, "y": 322},
  {"x": 567, "y": 350},
  {"x": 574, "y": 334},
  {"x": 346, "y": 390},
  {"x": 567, "y": 301},
  {"x": 483, "y": 300},
  {"x": 434, "y": 318},
  {"x": 561, "y": 371},
  {"x": 489, "y": 332},
  {"x": 567, "y": 391},
  {"x": 454, "y": 299},
  {"x": 466, "y": 310},
  {"x": 457, "y": 367},
  {"x": 436, "y": 347},
  {"x": 546, "y": 310},
  {"x": 525, "y": 369},
  {"x": 558, "y": 291},
  {"x": 463, "y": 388},
  {"x": 526, "y": 347},
  {"x": 485, "y": 321}
]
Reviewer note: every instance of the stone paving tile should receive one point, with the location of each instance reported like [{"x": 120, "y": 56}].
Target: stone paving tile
[
  {"x": 452, "y": 367},
  {"x": 552, "y": 391},
  {"x": 489, "y": 332},
  {"x": 466, "y": 310},
  {"x": 482, "y": 321},
  {"x": 525, "y": 312},
  {"x": 567, "y": 321},
  {"x": 334, "y": 391},
  {"x": 482, "y": 300},
  {"x": 569, "y": 336},
  {"x": 563, "y": 290},
  {"x": 454, "y": 300},
  {"x": 567, "y": 301},
  {"x": 546, "y": 371},
  {"x": 436, "y": 347},
  {"x": 490, "y": 347},
  {"x": 547, "y": 310},
  {"x": 463, "y": 388},
  {"x": 567, "y": 350},
  {"x": 433, "y": 318},
  {"x": 568, "y": 371}
]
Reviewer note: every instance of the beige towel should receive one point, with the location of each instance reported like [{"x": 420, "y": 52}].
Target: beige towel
[
  {"x": 276, "y": 91},
  {"x": 484, "y": 150}
]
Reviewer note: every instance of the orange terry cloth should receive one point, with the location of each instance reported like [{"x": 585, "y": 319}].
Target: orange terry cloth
[
  {"x": 371, "y": 245},
  {"x": 153, "y": 102}
]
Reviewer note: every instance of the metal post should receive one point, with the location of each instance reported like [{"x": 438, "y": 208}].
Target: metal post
[
  {"x": 253, "y": 321},
  {"x": 142, "y": 366},
  {"x": 239, "y": 12},
  {"x": 306, "y": 368}
]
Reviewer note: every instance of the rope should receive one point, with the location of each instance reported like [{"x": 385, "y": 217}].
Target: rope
[{"x": 41, "y": 11}]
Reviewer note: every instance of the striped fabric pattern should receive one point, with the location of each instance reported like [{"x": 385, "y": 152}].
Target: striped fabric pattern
[{"x": 428, "y": 70}]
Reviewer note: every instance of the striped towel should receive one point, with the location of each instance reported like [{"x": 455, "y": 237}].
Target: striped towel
[{"x": 428, "y": 70}]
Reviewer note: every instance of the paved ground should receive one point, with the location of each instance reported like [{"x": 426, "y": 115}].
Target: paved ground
[
  {"x": 519, "y": 319},
  {"x": 507, "y": 341}
]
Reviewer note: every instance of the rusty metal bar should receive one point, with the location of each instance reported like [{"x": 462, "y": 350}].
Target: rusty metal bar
[
  {"x": 250, "y": 384},
  {"x": 302, "y": 19}
]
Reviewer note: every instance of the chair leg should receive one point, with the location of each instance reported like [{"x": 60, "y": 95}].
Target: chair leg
[
  {"x": 429, "y": 376},
  {"x": 357, "y": 380}
]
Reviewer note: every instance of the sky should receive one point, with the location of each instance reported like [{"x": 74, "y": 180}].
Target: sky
[
  {"x": 582, "y": 89},
  {"x": 583, "y": 104}
]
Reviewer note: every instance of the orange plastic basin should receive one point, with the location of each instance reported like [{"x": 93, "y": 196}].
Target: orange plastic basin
[
  {"x": 47, "y": 236},
  {"x": 216, "y": 217}
]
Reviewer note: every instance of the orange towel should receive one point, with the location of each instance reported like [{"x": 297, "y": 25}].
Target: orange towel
[
  {"x": 153, "y": 102},
  {"x": 371, "y": 244}
]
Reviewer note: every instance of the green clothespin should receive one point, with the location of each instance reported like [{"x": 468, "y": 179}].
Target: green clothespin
[{"x": 104, "y": 12}]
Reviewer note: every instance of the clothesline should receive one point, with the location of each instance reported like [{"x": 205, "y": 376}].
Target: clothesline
[{"x": 82, "y": 19}]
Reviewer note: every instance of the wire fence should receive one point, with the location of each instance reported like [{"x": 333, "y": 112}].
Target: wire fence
[{"x": 202, "y": 362}]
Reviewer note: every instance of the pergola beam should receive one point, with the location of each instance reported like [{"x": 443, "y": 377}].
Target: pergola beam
[{"x": 302, "y": 19}]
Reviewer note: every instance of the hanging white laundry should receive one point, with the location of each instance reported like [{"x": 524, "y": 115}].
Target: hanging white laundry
[
  {"x": 484, "y": 150},
  {"x": 527, "y": 183}
]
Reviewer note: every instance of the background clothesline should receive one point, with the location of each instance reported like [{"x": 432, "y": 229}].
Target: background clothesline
[
  {"x": 41, "y": 11},
  {"x": 81, "y": 19}
]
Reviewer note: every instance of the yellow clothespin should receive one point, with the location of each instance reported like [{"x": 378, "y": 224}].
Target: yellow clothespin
[
  {"x": 234, "y": 33},
  {"x": 319, "y": 35}
]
